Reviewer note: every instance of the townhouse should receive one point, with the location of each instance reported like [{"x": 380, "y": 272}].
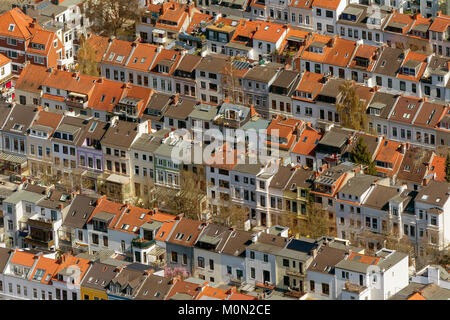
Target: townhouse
[
  {"x": 95, "y": 281},
  {"x": 143, "y": 162},
  {"x": 27, "y": 88},
  {"x": 438, "y": 34},
  {"x": 6, "y": 87},
  {"x": 39, "y": 277},
  {"x": 206, "y": 253},
  {"x": 281, "y": 92},
  {"x": 300, "y": 13},
  {"x": 363, "y": 22},
  {"x": 116, "y": 146},
  {"x": 64, "y": 141},
  {"x": 256, "y": 85},
  {"x": 325, "y": 15},
  {"x": 14, "y": 138},
  {"x": 24, "y": 40},
  {"x": 321, "y": 276},
  {"x": 73, "y": 234},
  {"x": 260, "y": 261},
  {"x": 364, "y": 277},
  {"x": 39, "y": 145},
  {"x": 208, "y": 76},
  {"x": 180, "y": 244}
]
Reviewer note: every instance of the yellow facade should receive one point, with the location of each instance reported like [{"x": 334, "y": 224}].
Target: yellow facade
[{"x": 92, "y": 294}]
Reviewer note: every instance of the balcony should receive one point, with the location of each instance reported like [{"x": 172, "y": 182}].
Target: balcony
[
  {"x": 41, "y": 223},
  {"x": 294, "y": 272},
  {"x": 76, "y": 103},
  {"x": 230, "y": 123},
  {"x": 159, "y": 36},
  {"x": 142, "y": 243},
  {"x": 39, "y": 243}
]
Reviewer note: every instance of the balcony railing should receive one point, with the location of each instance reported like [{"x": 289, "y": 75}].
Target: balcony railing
[
  {"x": 39, "y": 243},
  {"x": 76, "y": 103},
  {"x": 43, "y": 224},
  {"x": 142, "y": 243},
  {"x": 294, "y": 272}
]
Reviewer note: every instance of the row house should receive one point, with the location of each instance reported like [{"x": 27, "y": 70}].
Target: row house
[
  {"x": 162, "y": 23},
  {"x": 140, "y": 64},
  {"x": 260, "y": 259},
  {"x": 27, "y": 89},
  {"x": 325, "y": 14},
  {"x": 184, "y": 76},
  {"x": 90, "y": 153},
  {"x": 73, "y": 234},
  {"x": 439, "y": 34},
  {"x": 67, "y": 20},
  {"x": 39, "y": 145},
  {"x": 219, "y": 35},
  {"x": 180, "y": 244},
  {"x": 64, "y": 141},
  {"x": 364, "y": 277},
  {"x": 235, "y": 8},
  {"x": 116, "y": 149},
  {"x": 6, "y": 87},
  {"x": 288, "y": 195},
  {"x": 407, "y": 30},
  {"x": 24, "y": 40},
  {"x": 256, "y": 40},
  {"x": 33, "y": 216},
  {"x": 281, "y": 91},
  {"x": 363, "y": 22},
  {"x": 301, "y": 13},
  {"x": 208, "y": 76},
  {"x": 143, "y": 162},
  {"x": 14, "y": 138},
  {"x": 256, "y": 85}
]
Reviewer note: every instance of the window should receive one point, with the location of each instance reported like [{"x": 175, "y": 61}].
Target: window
[
  {"x": 266, "y": 258},
  {"x": 184, "y": 259},
  {"x": 252, "y": 273},
  {"x": 252, "y": 254},
  {"x": 201, "y": 262},
  {"x": 312, "y": 285},
  {"x": 325, "y": 289},
  {"x": 285, "y": 263},
  {"x": 95, "y": 238},
  {"x": 211, "y": 264}
]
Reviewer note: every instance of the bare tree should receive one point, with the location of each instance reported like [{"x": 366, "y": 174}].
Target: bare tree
[
  {"x": 86, "y": 59},
  {"x": 232, "y": 215},
  {"x": 230, "y": 80},
  {"x": 316, "y": 222},
  {"x": 110, "y": 16},
  {"x": 187, "y": 200},
  {"x": 352, "y": 111}
]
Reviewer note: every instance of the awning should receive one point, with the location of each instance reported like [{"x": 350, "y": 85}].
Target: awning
[
  {"x": 12, "y": 158},
  {"x": 104, "y": 216},
  {"x": 152, "y": 226},
  {"x": 115, "y": 178},
  {"x": 91, "y": 174}
]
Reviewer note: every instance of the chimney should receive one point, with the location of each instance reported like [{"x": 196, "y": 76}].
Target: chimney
[{"x": 175, "y": 98}]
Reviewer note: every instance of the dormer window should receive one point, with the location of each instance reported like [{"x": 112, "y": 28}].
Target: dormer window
[
  {"x": 11, "y": 27},
  {"x": 163, "y": 69},
  {"x": 111, "y": 56},
  {"x": 119, "y": 59}
]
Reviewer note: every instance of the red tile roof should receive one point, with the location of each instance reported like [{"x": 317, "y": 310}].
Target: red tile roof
[
  {"x": 307, "y": 142},
  {"x": 21, "y": 24}
]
